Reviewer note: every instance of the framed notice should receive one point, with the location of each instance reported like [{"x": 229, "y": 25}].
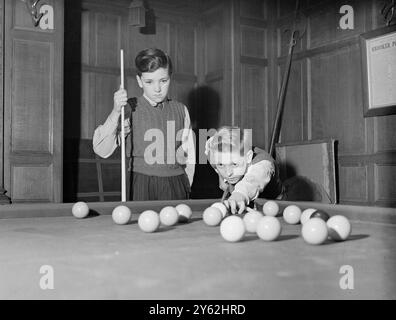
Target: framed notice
[{"x": 378, "y": 50}]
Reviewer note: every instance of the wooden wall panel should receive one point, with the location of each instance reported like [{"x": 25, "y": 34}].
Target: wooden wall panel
[
  {"x": 139, "y": 41},
  {"x": 352, "y": 183},
  {"x": 385, "y": 183},
  {"x": 253, "y": 42},
  {"x": 214, "y": 43},
  {"x": 284, "y": 8},
  {"x": 33, "y": 101},
  {"x": 184, "y": 55},
  {"x": 36, "y": 184},
  {"x": 253, "y": 94},
  {"x": 319, "y": 32},
  {"x": 132, "y": 86},
  {"x": 105, "y": 86},
  {"x": 107, "y": 40},
  {"x": 32, "y": 112},
  {"x": 251, "y": 69},
  {"x": 2, "y": 190},
  {"x": 215, "y": 113},
  {"x": 254, "y": 9},
  {"x": 336, "y": 99},
  {"x": 109, "y": 171},
  {"x": 89, "y": 177},
  {"x": 292, "y": 121},
  {"x": 86, "y": 37},
  {"x": 324, "y": 23},
  {"x": 362, "y": 14},
  {"x": 183, "y": 90},
  {"x": 86, "y": 125},
  {"x": 385, "y": 133},
  {"x": 213, "y": 109}
]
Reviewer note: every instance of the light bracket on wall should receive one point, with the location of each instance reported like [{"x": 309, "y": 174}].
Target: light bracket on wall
[
  {"x": 31, "y": 6},
  {"x": 137, "y": 14}
]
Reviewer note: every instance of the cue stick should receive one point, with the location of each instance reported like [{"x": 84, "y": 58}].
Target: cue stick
[{"x": 123, "y": 173}]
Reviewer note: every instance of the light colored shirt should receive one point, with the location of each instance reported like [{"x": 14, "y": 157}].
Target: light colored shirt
[
  {"x": 257, "y": 177},
  {"x": 106, "y": 140}
]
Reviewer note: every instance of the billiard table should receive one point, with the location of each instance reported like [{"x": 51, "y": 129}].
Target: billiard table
[{"x": 93, "y": 258}]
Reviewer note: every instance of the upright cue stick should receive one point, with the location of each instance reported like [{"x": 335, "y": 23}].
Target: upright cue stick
[{"x": 123, "y": 173}]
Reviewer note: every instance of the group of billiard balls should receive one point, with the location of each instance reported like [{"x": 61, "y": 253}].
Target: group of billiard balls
[
  {"x": 317, "y": 225},
  {"x": 149, "y": 220}
]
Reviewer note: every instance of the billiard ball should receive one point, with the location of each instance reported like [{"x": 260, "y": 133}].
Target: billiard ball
[
  {"x": 212, "y": 216},
  {"x": 269, "y": 228},
  {"x": 184, "y": 212},
  {"x": 232, "y": 229},
  {"x": 320, "y": 214},
  {"x": 149, "y": 221},
  {"x": 221, "y": 207},
  {"x": 80, "y": 210},
  {"x": 314, "y": 231},
  {"x": 339, "y": 228},
  {"x": 169, "y": 216},
  {"x": 121, "y": 214},
  {"x": 292, "y": 214},
  {"x": 270, "y": 208},
  {"x": 251, "y": 220},
  {"x": 306, "y": 215}
]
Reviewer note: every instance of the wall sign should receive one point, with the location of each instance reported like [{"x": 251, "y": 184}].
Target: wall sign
[{"x": 378, "y": 50}]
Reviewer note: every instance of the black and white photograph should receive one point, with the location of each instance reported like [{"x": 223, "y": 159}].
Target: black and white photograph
[{"x": 197, "y": 156}]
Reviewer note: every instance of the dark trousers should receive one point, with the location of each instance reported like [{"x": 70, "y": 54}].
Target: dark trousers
[{"x": 144, "y": 187}]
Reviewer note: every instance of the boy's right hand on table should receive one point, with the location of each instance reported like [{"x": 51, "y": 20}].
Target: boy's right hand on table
[
  {"x": 120, "y": 100},
  {"x": 235, "y": 203}
]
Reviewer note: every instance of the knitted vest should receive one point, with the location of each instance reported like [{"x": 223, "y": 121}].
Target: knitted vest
[
  {"x": 153, "y": 138},
  {"x": 274, "y": 188}
]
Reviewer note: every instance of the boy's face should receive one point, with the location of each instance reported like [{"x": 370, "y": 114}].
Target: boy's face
[
  {"x": 231, "y": 166},
  {"x": 155, "y": 84}
]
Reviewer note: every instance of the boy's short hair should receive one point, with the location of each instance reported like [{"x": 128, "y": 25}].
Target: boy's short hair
[
  {"x": 229, "y": 139},
  {"x": 151, "y": 59}
]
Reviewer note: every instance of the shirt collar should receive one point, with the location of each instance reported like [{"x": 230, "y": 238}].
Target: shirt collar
[{"x": 152, "y": 103}]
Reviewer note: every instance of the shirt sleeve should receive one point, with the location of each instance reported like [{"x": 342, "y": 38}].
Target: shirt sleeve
[
  {"x": 105, "y": 138},
  {"x": 187, "y": 148},
  {"x": 256, "y": 178}
]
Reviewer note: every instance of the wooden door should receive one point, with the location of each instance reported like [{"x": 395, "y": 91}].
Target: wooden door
[{"x": 33, "y": 102}]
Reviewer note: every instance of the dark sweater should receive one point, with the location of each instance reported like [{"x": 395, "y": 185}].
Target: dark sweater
[{"x": 160, "y": 125}]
